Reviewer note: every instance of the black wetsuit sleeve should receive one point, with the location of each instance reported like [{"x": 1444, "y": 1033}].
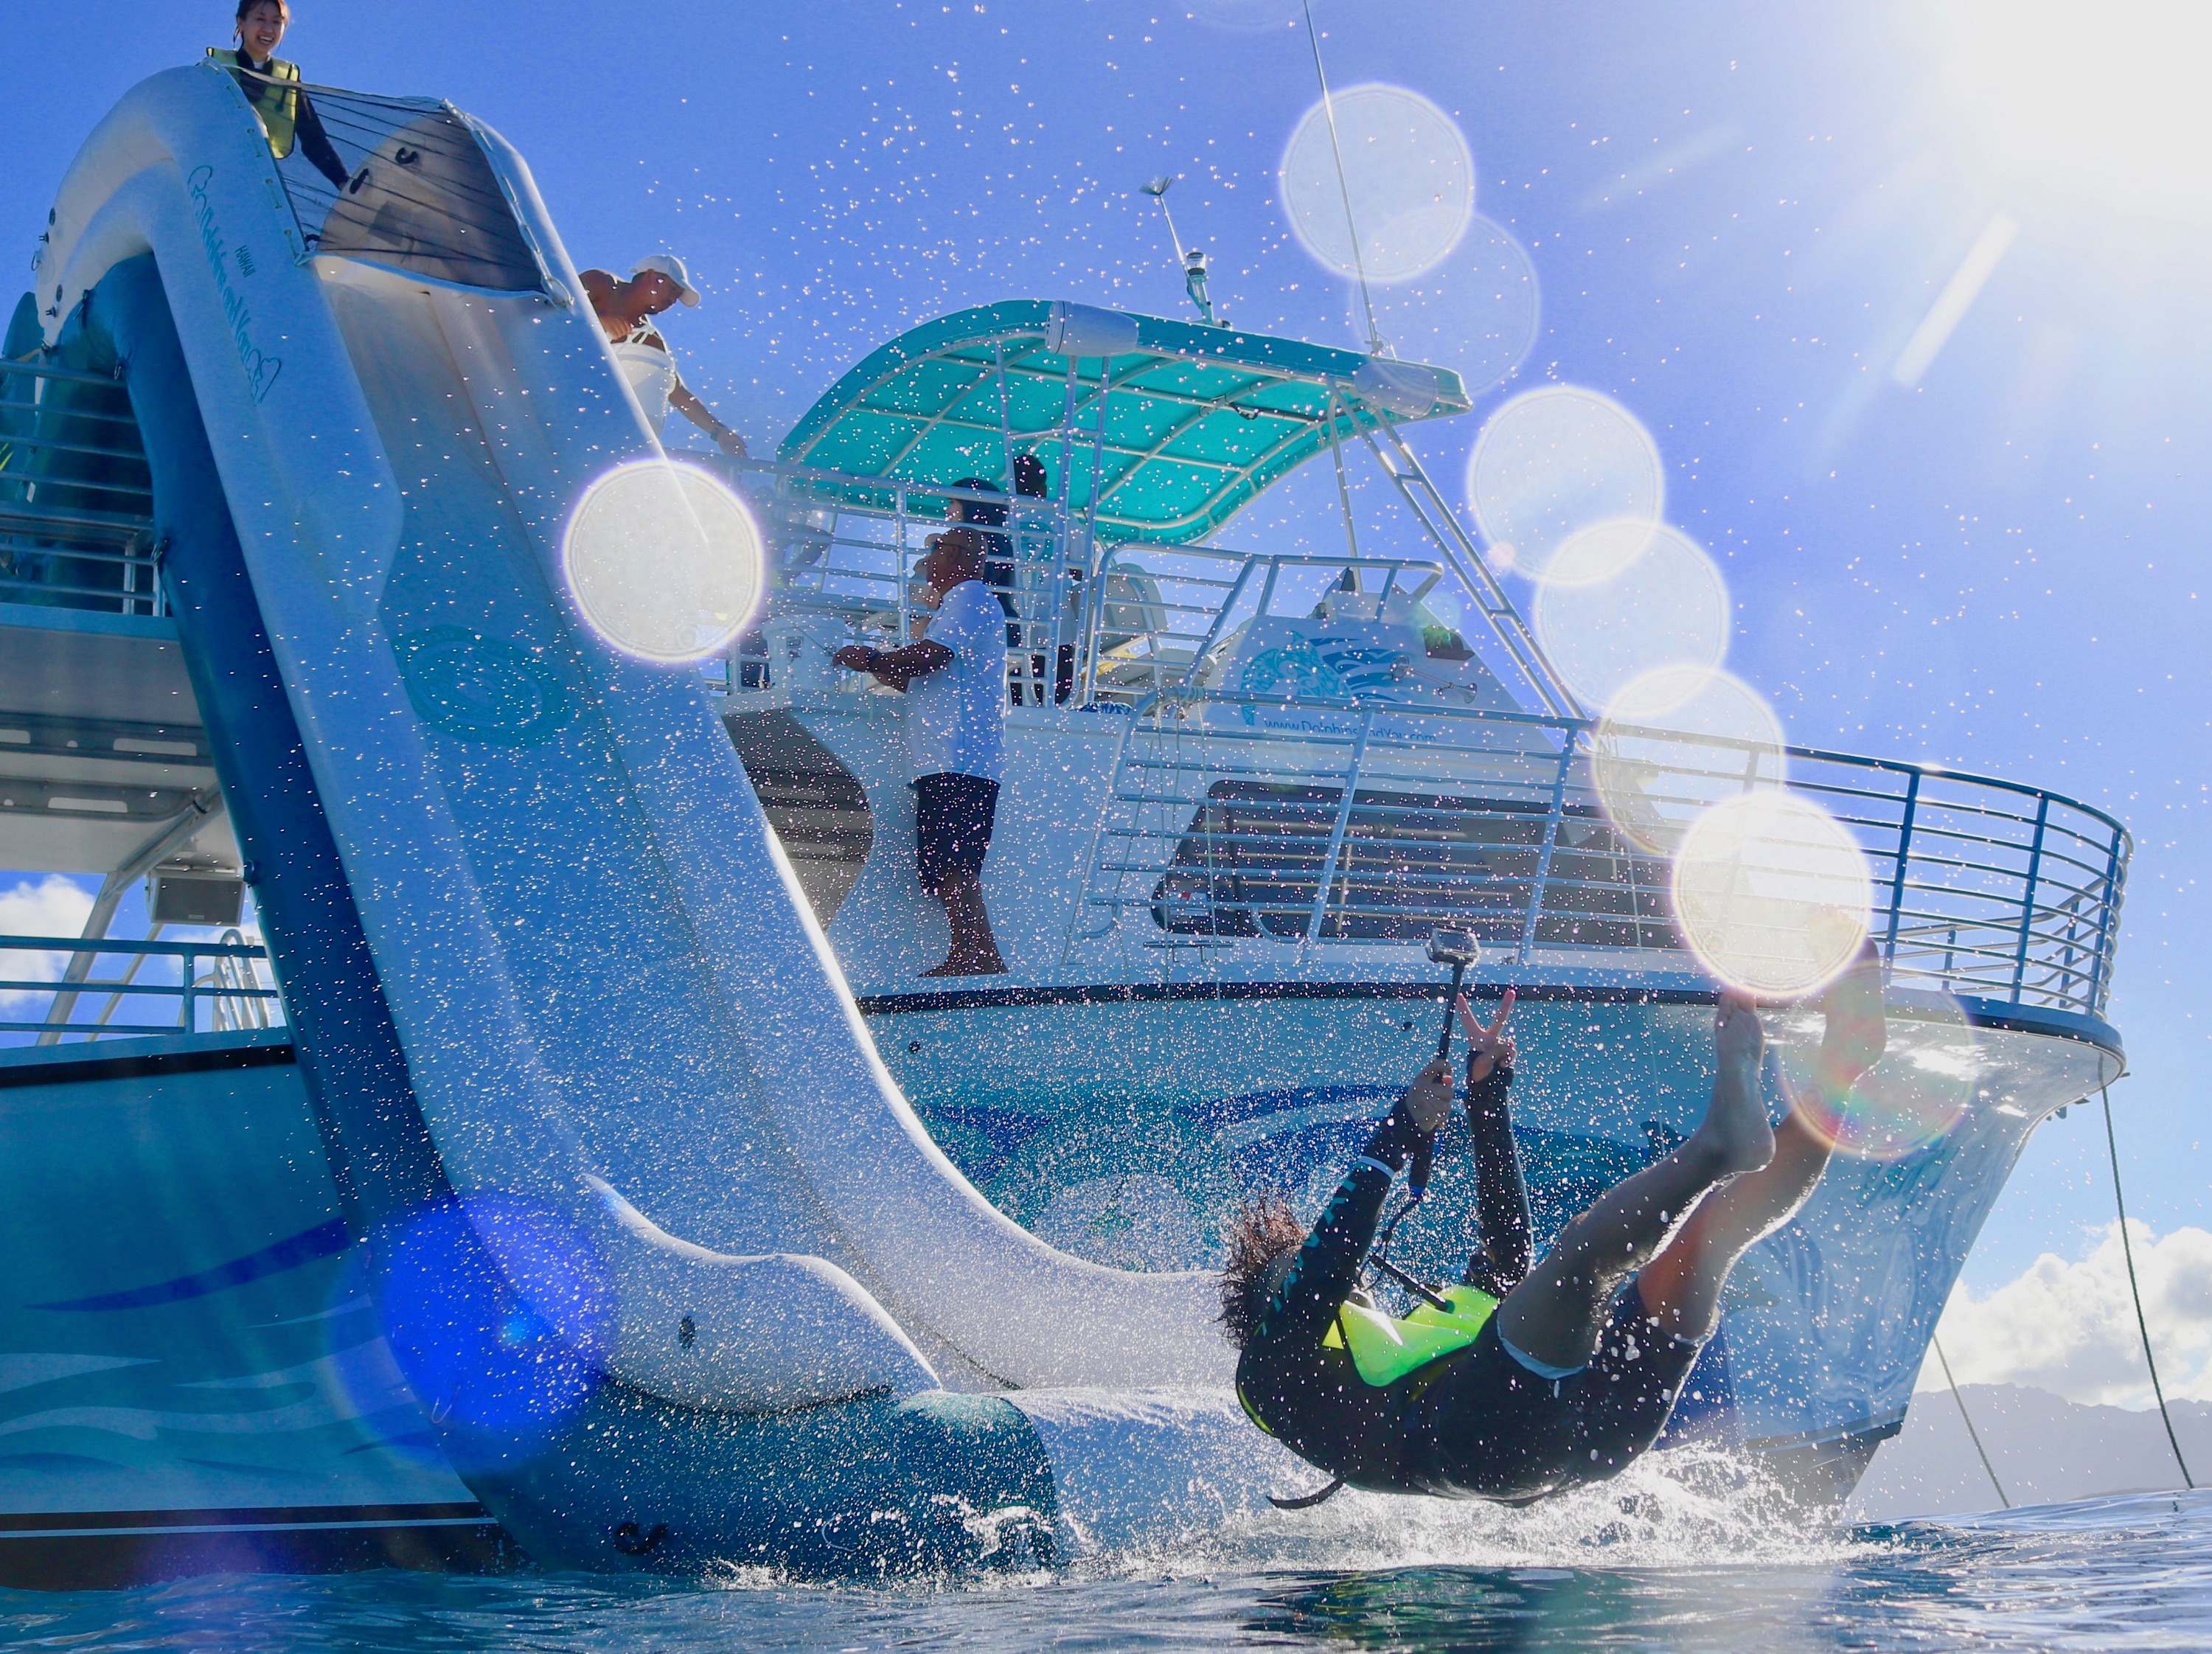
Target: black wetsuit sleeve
[
  {"x": 1501, "y": 1197},
  {"x": 315, "y": 144},
  {"x": 1327, "y": 1266}
]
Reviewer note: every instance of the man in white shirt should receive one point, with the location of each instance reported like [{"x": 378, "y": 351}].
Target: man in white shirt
[{"x": 955, "y": 679}]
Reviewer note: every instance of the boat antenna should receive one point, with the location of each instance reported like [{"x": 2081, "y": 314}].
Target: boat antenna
[
  {"x": 1377, "y": 344},
  {"x": 1192, "y": 259}
]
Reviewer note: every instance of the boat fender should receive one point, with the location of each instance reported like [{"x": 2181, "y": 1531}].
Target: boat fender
[
  {"x": 1404, "y": 388},
  {"x": 1085, "y": 330}
]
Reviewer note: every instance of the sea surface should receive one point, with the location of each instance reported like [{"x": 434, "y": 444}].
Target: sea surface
[{"x": 1657, "y": 1565}]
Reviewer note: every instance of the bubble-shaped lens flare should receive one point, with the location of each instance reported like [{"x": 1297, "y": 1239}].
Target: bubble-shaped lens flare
[
  {"x": 1557, "y": 460},
  {"x": 1476, "y": 313},
  {"x": 1408, "y": 174},
  {"x": 1916, "y": 1094},
  {"x": 499, "y": 1311},
  {"x": 1612, "y": 610},
  {"x": 664, "y": 560},
  {"x": 1770, "y": 893},
  {"x": 1675, "y": 742}
]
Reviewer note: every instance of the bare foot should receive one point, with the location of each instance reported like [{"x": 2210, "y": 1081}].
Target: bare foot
[
  {"x": 1735, "y": 1134},
  {"x": 1858, "y": 1032}
]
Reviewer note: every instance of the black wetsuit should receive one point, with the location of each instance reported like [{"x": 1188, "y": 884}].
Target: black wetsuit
[{"x": 1475, "y": 1423}]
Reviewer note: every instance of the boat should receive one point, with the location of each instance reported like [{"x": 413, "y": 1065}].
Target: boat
[{"x": 579, "y": 1166}]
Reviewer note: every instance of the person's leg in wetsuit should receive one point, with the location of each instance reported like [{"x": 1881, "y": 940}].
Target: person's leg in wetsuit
[{"x": 1612, "y": 1361}]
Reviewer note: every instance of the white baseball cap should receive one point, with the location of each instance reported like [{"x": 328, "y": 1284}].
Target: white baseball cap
[{"x": 668, "y": 264}]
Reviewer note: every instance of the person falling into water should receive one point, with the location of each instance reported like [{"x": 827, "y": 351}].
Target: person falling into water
[
  {"x": 955, "y": 675},
  {"x": 1549, "y": 1377},
  {"x": 626, "y": 310},
  {"x": 272, "y": 86}
]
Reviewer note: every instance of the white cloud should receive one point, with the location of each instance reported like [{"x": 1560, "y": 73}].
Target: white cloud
[
  {"x": 2071, "y": 1327},
  {"x": 55, "y": 906}
]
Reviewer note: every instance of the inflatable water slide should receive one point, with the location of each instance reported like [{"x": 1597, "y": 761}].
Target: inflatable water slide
[{"x": 664, "y": 1256}]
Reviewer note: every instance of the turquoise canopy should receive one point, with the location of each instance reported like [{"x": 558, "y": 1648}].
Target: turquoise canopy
[{"x": 1196, "y": 419}]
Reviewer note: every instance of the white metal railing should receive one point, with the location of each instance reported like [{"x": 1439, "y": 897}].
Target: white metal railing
[
  {"x": 1233, "y": 817},
  {"x": 1112, "y": 626}
]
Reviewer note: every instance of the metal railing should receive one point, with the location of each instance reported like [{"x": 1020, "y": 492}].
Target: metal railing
[
  {"x": 76, "y": 499},
  {"x": 195, "y": 986},
  {"x": 1233, "y": 817},
  {"x": 848, "y": 547},
  {"x": 1140, "y": 620}
]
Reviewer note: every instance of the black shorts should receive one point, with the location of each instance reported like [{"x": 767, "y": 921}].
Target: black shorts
[
  {"x": 1489, "y": 1428},
  {"x": 953, "y": 820}
]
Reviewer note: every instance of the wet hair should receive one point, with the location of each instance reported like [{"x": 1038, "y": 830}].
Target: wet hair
[
  {"x": 988, "y": 513},
  {"x": 1029, "y": 480},
  {"x": 1262, "y": 1233},
  {"x": 247, "y": 8}
]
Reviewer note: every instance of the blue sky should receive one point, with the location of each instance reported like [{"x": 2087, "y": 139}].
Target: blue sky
[{"x": 1738, "y": 214}]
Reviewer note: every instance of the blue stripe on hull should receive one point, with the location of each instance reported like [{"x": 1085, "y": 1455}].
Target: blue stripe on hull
[{"x": 324, "y": 1240}]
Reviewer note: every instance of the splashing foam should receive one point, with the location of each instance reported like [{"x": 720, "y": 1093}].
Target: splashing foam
[{"x": 1690, "y": 1506}]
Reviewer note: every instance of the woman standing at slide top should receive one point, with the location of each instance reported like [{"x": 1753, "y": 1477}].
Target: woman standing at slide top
[{"x": 272, "y": 86}]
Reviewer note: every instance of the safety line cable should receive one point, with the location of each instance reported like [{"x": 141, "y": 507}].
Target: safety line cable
[
  {"x": 1972, "y": 1434},
  {"x": 1374, "y": 343},
  {"x": 2135, "y": 1291}
]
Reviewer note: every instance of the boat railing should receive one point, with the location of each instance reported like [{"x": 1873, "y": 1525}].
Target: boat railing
[
  {"x": 158, "y": 987},
  {"x": 76, "y": 528},
  {"x": 1106, "y": 626},
  {"x": 1234, "y": 818},
  {"x": 1163, "y": 614},
  {"x": 847, "y": 547}
]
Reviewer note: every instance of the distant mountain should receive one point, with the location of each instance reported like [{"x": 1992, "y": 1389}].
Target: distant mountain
[{"x": 2044, "y": 1447}]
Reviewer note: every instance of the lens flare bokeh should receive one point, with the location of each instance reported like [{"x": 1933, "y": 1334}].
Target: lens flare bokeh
[
  {"x": 1555, "y": 461},
  {"x": 1665, "y": 605},
  {"x": 499, "y": 1310},
  {"x": 664, "y": 560},
  {"x": 1675, "y": 742},
  {"x": 1918, "y": 1091},
  {"x": 1408, "y": 176},
  {"x": 1476, "y": 313},
  {"x": 1770, "y": 893}
]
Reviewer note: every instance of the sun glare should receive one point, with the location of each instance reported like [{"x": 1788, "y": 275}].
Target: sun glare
[{"x": 2101, "y": 101}]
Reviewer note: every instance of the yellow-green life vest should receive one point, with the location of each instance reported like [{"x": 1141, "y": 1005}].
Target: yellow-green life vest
[
  {"x": 278, "y": 105},
  {"x": 1385, "y": 1348}
]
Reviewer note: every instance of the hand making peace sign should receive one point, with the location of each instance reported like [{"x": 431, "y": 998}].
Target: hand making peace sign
[{"x": 1489, "y": 1046}]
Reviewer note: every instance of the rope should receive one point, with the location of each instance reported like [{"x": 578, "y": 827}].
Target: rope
[
  {"x": 1972, "y": 1434},
  {"x": 1375, "y": 343},
  {"x": 2127, "y": 1251}
]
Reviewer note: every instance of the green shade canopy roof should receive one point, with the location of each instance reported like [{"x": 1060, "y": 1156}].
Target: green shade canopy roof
[{"x": 1197, "y": 419}]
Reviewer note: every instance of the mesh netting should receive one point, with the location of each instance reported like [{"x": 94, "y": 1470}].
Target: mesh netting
[{"x": 419, "y": 194}]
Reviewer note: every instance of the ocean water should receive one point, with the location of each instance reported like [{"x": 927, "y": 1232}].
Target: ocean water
[{"x": 1693, "y": 1560}]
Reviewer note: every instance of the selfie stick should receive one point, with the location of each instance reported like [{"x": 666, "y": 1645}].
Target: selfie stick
[{"x": 1459, "y": 949}]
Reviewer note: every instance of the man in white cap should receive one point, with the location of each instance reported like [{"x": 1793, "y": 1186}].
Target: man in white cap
[{"x": 626, "y": 310}]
